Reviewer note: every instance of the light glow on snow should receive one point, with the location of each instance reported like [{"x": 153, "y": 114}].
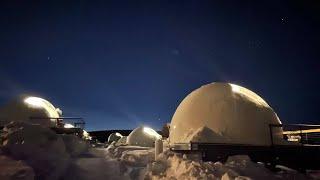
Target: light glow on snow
[
  {"x": 118, "y": 134},
  {"x": 151, "y": 132},
  {"x": 86, "y": 135},
  {"x": 34, "y": 101},
  {"x": 41, "y": 103},
  {"x": 251, "y": 95}
]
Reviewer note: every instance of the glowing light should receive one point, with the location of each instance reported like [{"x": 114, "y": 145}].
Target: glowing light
[
  {"x": 302, "y": 131},
  {"x": 294, "y": 138},
  {"x": 151, "y": 132},
  {"x": 118, "y": 134},
  {"x": 68, "y": 126},
  {"x": 251, "y": 95},
  {"x": 35, "y": 101},
  {"x": 86, "y": 135}
]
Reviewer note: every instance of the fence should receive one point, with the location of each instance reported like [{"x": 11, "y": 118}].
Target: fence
[{"x": 304, "y": 134}]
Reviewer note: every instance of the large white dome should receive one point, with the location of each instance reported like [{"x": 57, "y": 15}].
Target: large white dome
[
  {"x": 143, "y": 136},
  {"x": 29, "y": 109},
  {"x": 224, "y": 113}
]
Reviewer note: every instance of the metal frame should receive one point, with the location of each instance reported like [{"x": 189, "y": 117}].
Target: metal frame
[
  {"x": 78, "y": 123},
  {"x": 300, "y": 128}
]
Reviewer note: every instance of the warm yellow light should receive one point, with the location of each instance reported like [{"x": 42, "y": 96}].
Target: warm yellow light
[
  {"x": 86, "y": 135},
  {"x": 68, "y": 125},
  {"x": 302, "y": 131},
  {"x": 118, "y": 134},
  {"x": 34, "y": 101},
  {"x": 151, "y": 132}
]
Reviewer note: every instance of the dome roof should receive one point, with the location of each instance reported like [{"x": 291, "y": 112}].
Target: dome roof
[
  {"x": 114, "y": 137},
  {"x": 223, "y": 113},
  {"x": 143, "y": 136},
  {"x": 31, "y": 109}
]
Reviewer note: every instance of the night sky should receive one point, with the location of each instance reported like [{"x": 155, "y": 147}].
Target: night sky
[{"x": 121, "y": 64}]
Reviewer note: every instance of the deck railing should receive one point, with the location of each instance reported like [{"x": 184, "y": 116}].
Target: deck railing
[
  {"x": 304, "y": 134},
  {"x": 77, "y": 122}
]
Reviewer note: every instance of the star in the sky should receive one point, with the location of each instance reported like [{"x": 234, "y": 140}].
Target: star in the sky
[{"x": 175, "y": 52}]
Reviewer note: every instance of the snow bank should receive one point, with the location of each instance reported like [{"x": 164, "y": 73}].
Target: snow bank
[
  {"x": 46, "y": 155},
  {"x": 74, "y": 146},
  {"x": 138, "y": 158},
  {"x": 117, "y": 151},
  {"x": 12, "y": 169},
  {"x": 204, "y": 134},
  {"x": 96, "y": 168},
  {"x": 46, "y": 152},
  {"x": 178, "y": 166}
]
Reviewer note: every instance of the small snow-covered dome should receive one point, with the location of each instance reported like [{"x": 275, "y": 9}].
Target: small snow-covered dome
[
  {"x": 224, "y": 113},
  {"x": 122, "y": 141},
  {"x": 143, "y": 136},
  {"x": 30, "y": 109},
  {"x": 114, "y": 137}
]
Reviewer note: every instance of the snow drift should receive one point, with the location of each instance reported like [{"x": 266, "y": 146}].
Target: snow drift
[
  {"x": 31, "y": 151},
  {"x": 46, "y": 152}
]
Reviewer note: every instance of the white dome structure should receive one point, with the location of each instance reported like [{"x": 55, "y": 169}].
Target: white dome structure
[
  {"x": 114, "y": 137},
  {"x": 143, "y": 136},
  {"x": 224, "y": 113},
  {"x": 29, "y": 109}
]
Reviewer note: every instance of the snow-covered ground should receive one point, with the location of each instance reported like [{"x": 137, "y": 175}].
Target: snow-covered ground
[{"x": 33, "y": 152}]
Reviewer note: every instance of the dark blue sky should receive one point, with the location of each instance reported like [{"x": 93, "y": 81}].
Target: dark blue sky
[{"x": 123, "y": 64}]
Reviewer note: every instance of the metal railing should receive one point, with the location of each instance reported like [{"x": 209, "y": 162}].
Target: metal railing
[
  {"x": 77, "y": 122},
  {"x": 303, "y": 134}
]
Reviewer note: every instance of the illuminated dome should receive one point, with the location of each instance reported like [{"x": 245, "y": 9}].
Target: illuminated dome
[
  {"x": 224, "y": 113},
  {"x": 30, "y": 109},
  {"x": 114, "y": 137},
  {"x": 143, "y": 136}
]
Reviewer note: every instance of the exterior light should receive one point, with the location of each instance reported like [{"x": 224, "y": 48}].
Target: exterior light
[
  {"x": 151, "y": 132},
  {"x": 34, "y": 101},
  {"x": 118, "y": 134},
  {"x": 68, "y": 125}
]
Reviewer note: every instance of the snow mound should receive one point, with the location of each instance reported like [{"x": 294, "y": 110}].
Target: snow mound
[
  {"x": 74, "y": 146},
  {"x": 204, "y": 134},
  {"x": 181, "y": 166},
  {"x": 41, "y": 148},
  {"x": 117, "y": 151},
  {"x": 96, "y": 168},
  {"x": 138, "y": 157},
  {"x": 243, "y": 165},
  {"x": 177, "y": 166},
  {"x": 12, "y": 169}
]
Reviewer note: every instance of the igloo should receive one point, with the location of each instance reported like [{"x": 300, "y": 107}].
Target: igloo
[
  {"x": 114, "y": 137},
  {"x": 143, "y": 136},
  {"x": 29, "y": 109},
  {"x": 224, "y": 113}
]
